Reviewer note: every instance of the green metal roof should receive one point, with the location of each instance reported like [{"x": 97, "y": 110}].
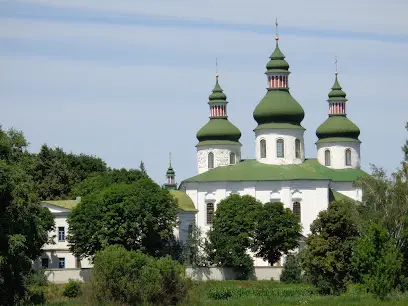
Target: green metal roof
[
  {"x": 337, "y": 196},
  {"x": 170, "y": 171},
  {"x": 219, "y": 129},
  {"x": 217, "y": 94},
  {"x": 252, "y": 170},
  {"x": 277, "y": 62},
  {"x": 338, "y": 126},
  {"x": 68, "y": 204},
  {"x": 337, "y": 93},
  {"x": 183, "y": 200}
]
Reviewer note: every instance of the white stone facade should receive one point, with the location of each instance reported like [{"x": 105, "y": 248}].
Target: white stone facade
[
  {"x": 289, "y": 137},
  {"x": 221, "y": 153},
  {"x": 338, "y": 154}
]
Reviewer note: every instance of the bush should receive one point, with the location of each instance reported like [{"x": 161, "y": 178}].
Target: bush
[
  {"x": 72, "y": 289},
  {"x": 292, "y": 271},
  {"x": 135, "y": 278},
  {"x": 35, "y": 296}
]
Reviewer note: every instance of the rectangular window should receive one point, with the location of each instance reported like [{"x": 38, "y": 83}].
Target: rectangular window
[
  {"x": 44, "y": 263},
  {"x": 61, "y": 233},
  {"x": 61, "y": 262},
  {"x": 280, "y": 153},
  {"x": 210, "y": 213}
]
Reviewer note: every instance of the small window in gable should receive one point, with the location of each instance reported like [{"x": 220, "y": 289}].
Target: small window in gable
[
  {"x": 210, "y": 213},
  {"x": 327, "y": 158},
  {"x": 297, "y": 148},
  {"x": 263, "y": 148},
  {"x": 297, "y": 210},
  {"x": 280, "y": 148},
  {"x": 348, "y": 157},
  {"x": 232, "y": 158},
  {"x": 210, "y": 160}
]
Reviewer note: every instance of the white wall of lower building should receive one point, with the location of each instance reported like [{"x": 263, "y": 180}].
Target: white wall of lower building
[
  {"x": 271, "y": 136},
  {"x": 338, "y": 154},
  {"x": 221, "y": 155},
  {"x": 348, "y": 189}
]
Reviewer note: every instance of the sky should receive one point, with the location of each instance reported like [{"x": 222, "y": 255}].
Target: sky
[{"x": 129, "y": 80}]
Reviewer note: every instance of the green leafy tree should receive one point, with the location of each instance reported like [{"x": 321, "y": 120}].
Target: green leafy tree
[
  {"x": 98, "y": 181},
  {"x": 329, "y": 252},
  {"x": 193, "y": 249},
  {"x": 232, "y": 233},
  {"x": 24, "y": 224},
  {"x": 292, "y": 270},
  {"x": 277, "y": 232},
  {"x": 376, "y": 261},
  {"x": 56, "y": 171},
  {"x": 138, "y": 216},
  {"x": 142, "y": 168}
]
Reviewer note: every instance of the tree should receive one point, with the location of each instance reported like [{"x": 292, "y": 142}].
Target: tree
[
  {"x": 142, "y": 168},
  {"x": 232, "y": 233},
  {"x": 277, "y": 232},
  {"x": 330, "y": 247},
  {"x": 292, "y": 270},
  {"x": 376, "y": 261},
  {"x": 99, "y": 181},
  {"x": 193, "y": 249},
  {"x": 138, "y": 216},
  {"x": 24, "y": 224},
  {"x": 56, "y": 171}
]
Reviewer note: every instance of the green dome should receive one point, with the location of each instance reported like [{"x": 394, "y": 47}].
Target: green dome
[
  {"x": 170, "y": 171},
  {"x": 184, "y": 202},
  {"x": 337, "y": 93},
  {"x": 219, "y": 129},
  {"x": 217, "y": 94},
  {"x": 338, "y": 127},
  {"x": 278, "y": 106},
  {"x": 277, "y": 62}
]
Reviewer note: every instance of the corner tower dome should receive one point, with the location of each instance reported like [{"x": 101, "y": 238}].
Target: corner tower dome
[{"x": 278, "y": 106}]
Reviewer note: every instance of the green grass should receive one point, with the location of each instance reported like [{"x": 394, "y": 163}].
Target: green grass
[{"x": 240, "y": 293}]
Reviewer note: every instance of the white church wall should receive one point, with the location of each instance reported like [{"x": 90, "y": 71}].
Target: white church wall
[
  {"x": 348, "y": 189},
  {"x": 221, "y": 155},
  {"x": 271, "y": 136},
  {"x": 338, "y": 154}
]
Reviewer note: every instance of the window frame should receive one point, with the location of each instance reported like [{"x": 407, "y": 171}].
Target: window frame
[
  {"x": 298, "y": 146},
  {"x": 232, "y": 158},
  {"x": 298, "y": 211},
  {"x": 45, "y": 259},
  {"x": 262, "y": 148},
  {"x": 347, "y": 157},
  {"x": 280, "y": 142},
  {"x": 61, "y": 234},
  {"x": 210, "y": 209},
  {"x": 210, "y": 160},
  {"x": 327, "y": 158},
  {"x": 61, "y": 260}
]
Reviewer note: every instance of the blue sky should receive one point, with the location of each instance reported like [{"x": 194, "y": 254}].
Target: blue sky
[{"x": 129, "y": 80}]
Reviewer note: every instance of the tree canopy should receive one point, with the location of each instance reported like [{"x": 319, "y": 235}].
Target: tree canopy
[
  {"x": 139, "y": 216},
  {"x": 24, "y": 224}
]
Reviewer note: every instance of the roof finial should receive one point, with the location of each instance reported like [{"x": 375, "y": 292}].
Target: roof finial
[
  {"x": 216, "y": 69},
  {"x": 170, "y": 158},
  {"x": 277, "y": 33},
  {"x": 336, "y": 59}
]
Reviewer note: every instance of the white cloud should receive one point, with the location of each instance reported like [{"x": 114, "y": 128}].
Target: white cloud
[{"x": 386, "y": 17}]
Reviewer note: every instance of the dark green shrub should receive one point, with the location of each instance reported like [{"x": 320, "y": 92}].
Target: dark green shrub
[
  {"x": 292, "y": 271},
  {"x": 72, "y": 289},
  {"x": 135, "y": 278},
  {"x": 35, "y": 296}
]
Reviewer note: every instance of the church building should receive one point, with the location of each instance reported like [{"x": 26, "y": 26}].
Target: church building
[{"x": 280, "y": 172}]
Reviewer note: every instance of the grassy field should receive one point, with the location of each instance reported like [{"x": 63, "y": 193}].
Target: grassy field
[{"x": 249, "y": 293}]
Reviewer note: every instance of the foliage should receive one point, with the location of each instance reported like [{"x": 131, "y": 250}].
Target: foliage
[
  {"x": 142, "y": 168},
  {"x": 377, "y": 261},
  {"x": 193, "y": 248},
  {"x": 135, "y": 278},
  {"x": 138, "y": 216},
  {"x": 72, "y": 289},
  {"x": 35, "y": 296},
  {"x": 231, "y": 234},
  {"x": 292, "y": 270},
  {"x": 277, "y": 232},
  {"x": 330, "y": 247},
  {"x": 56, "y": 172},
  {"x": 99, "y": 181},
  {"x": 24, "y": 223}
]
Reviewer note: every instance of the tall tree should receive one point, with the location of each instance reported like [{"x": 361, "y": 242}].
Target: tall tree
[
  {"x": 138, "y": 216},
  {"x": 329, "y": 252},
  {"x": 232, "y": 232},
  {"x": 277, "y": 232},
  {"x": 24, "y": 224},
  {"x": 405, "y": 150},
  {"x": 142, "y": 167}
]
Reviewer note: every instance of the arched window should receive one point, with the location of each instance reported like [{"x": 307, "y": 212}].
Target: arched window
[
  {"x": 210, "y": 213},
  {"x": 297, "y": 148},
  {"x": 210, "y": 160},
  {"x": 327, "y": 158},
  {"x": 348, "y": 157},
  {"x": 296, "y": 210},
  {"x": 263, "y": 148},
  {"x": 280, "y": 152},
  {"x": 232, "y": 158}
]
